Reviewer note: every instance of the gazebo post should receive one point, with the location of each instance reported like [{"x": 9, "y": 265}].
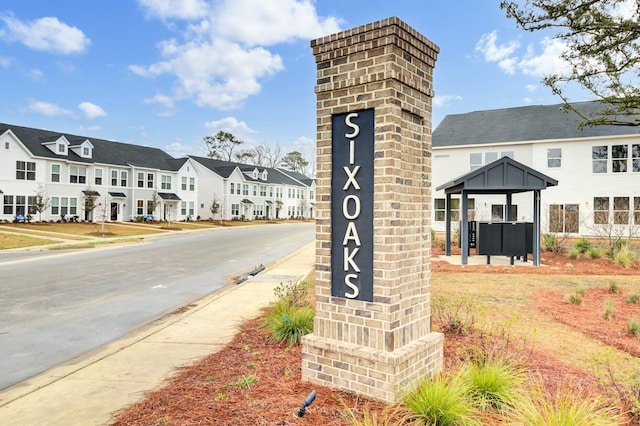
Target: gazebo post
[
  {"x": 447, "y": 221},
  {"x": 464, "y": 232},
  {"x": 509, "y": 204},
  {"x": 536, "y": 227}
]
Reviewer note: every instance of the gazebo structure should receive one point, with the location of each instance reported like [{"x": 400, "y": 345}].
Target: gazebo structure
[{"x": 503, "y": 176}]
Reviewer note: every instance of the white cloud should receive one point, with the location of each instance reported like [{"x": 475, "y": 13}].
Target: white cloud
[
  {"x": 45, "y": 34},
  {"x": 175, "y": 9},
  {"x": 547, "y": 62},
  {"x": 5, "y": 62},
  {"x": 440, "y": 101},
  {"x": 231, "y": 125},
  {"x": 36, "y": 74},
  {"x": 48, "y": 109},
  {"x": 223, "y": 57},
  {"x": 91, "y": 110},
  {"x": 527, "y": 100},
  {"x": 259, "y": 22},
  {"x": 532, "y": 87},
  {"x": 177, "y": 149},
  {"x": 492, "y": 51}
]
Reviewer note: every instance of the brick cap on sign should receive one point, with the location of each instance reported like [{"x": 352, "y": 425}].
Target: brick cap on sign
[{"x": 388, "y": 31}]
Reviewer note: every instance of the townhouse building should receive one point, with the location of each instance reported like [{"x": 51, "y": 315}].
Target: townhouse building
[
  {"x": 597, "y": 168},
  {"x": 89, "y": 179}
]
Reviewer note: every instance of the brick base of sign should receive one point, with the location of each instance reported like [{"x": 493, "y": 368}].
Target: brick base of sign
[{"x": 379, "y": 374}]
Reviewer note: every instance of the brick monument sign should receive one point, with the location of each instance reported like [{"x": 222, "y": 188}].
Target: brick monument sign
[{"x": 372, "y": 330}]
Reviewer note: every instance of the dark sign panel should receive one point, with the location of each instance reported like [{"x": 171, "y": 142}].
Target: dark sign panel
[{"x": 352, "y": 205}]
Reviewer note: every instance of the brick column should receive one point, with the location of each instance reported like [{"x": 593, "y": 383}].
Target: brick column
[{"x": 375, "y": 346}]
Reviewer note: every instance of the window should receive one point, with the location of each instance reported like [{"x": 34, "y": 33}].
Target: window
[
  {"x": 564, "y": 218},
  {"x": 150, "y": 207},
  {"x": 64, "y": 206},
  {"x": 600, "y": 210},
  {"x": 263, "y": 191},
  {"x": 635, "y": 158},
  {"x": 192, "y": 184},
  {"x": 98, "y": 177},
  {"x": 599, "y": 156},
  {"x": 271, "y": 191},
  {"x": 439, "y": 209},
  {"x": 7, "y": 146},
  {"x": 490, "y": 157},
  {"x": 85, "y": 151},
  {"x": 258, "y": 210},
  {"x": 475, "y": 161},
  {"x": 636, "y": 210},
  {"x": 498, "y": 212},
  {"x": 165, "y": 182},
  {"x": 235, "y": 209},
  {"x": 139, "y": 207},
  {"x": 621, "y": 210},
  {"x": 232, "y": 187},
  {"x": 73, "y": 206},
  {"x": 245, "y": 189},
  {"x": 55, "y": 206},
  {"x": 8, "y": 204},
  {"x": 31, "y": 204},
  {"x": 619, "y": 156},
  {"x": 62, "y": 148},
  {"x": 554, "y": 157},
  {"x": 191, "y": 208},
  {"x": 506, "y": 154},
  {"x": 183, "y": 208},
  {"x": 21, "y": 205},
  {"x": 123, "y": 178},
  {"x": 25, "y": 170},
  {"x": 55, "y": 173},
  {"x": 184, "y": 183},
  {"x": 255, "y": 190},
  {"x": 114, "y": 178},
  {"x": 78, "y": 174},
  {"x": 150, "y": 180},
  {"x": 140, "y": 179}
]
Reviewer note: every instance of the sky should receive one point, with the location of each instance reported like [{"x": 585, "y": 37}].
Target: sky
[{"x": 166, "y": 73}]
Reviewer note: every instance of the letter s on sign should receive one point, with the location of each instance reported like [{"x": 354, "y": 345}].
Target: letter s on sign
[
  {"x": 354, "y": 126},
  {"x": 352, "y": 286}
]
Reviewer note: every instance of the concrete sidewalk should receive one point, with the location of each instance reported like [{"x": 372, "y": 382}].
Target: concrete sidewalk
[{"x": 88, "y": 389}]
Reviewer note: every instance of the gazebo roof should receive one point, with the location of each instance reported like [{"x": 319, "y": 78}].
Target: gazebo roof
[{"x": 503, "y": 176}]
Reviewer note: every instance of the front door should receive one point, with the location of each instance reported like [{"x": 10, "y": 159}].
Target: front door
[{"x": 114, "y": 211}]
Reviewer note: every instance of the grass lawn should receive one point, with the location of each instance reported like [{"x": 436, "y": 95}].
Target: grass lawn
[{"x": 9, "y": 241}]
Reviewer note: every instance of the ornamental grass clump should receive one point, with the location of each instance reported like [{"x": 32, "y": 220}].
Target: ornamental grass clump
[
  {"x": 609, "y": 307},
  {"x": 442, "y": 400},
  {"x": 633, "y": 298},
  {"x": 625, "y": 256},
  {"x": 288, "y": 323},
  {"x": 494, "y": 384}
]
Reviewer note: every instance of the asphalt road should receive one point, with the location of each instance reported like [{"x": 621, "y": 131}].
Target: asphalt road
[{"x": 54, "y": 307}]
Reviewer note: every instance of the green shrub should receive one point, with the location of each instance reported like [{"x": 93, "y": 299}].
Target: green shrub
[
  {"x": 567, "y": 407},
  {"x": 625, "y": 256},
  {"x": 633, "y": 298},
  {"x": 633, "y": 327},
  {"x": 595, "y": 253},
  {"x": 245, "y": 382},
  {"x": 494, "y": 384},
  {"x": 609, "y": 307},
  {"x": 441, "y": 400},
  {"x": 574, "y": 298},
  {"x": 294, "y": 293},
  {"x": 288, "y": 323},
  {"x": 583, "y": 245},
  {"x": 614, "y": 287},
  {"x": 456, "y": 314},
  {"x": 550, "y": 243},
  {"x": 573, "y": 254}
]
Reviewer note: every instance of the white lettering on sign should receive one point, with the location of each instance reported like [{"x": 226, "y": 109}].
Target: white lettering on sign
[{"x": 351, "y": 211}]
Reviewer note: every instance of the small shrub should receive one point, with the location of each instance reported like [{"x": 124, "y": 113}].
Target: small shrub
[
  {"x": 245, "y": 382},
  {"x": 575, "y": 298},
  {"x": 633, "y": 298},
  {"x": 625, "y": 256},
  {"x": 494, "y": 385},
  {"x": 583, "y": 245},
  {"x": 456, "y": 314},
  {"x": 550, "y": 243},
  {"x": 573, "y": 254},
  {"x": 441, "y": 400},
  {"x": 581, "y": 289},
  {"x": 294, "y": 293},
  {"x": 614, "y": 287},
  {"x": 609, "y": 307},
  {"x": 633, "y": 327},
  {"x": 595, "y": 253}
]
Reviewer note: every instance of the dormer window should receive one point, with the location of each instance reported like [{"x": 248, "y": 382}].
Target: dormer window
[
  {"x": 84, "y": 149},
  {"x": 62, "y": 148},
  {"x": 57, "y": 145},
  {"x": 264, "y": 175},
  {"x": 255, "y": 173}
]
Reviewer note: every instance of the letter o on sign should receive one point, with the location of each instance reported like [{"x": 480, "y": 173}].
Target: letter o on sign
[{"x": 356, "y": 205}]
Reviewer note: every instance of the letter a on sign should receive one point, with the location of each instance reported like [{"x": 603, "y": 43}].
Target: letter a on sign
[{"x": 352, "y": 143}]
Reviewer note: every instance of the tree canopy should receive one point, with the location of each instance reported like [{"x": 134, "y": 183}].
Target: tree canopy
[
  {"x": 602, "y": 50},
  {"x": 221, "y": 145},
  {"x": 294, "y": 161}
]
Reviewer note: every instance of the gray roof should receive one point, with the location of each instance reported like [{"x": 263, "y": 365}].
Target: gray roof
[
  {"x": 225, "y": 168},
  {"x": 104, "y": 151},
  {"x": 503, "y": 176},
  {"x": 529, "y": 123}
]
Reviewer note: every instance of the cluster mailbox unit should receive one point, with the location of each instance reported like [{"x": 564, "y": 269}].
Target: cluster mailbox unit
[{"x": 513, "y": 239}]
